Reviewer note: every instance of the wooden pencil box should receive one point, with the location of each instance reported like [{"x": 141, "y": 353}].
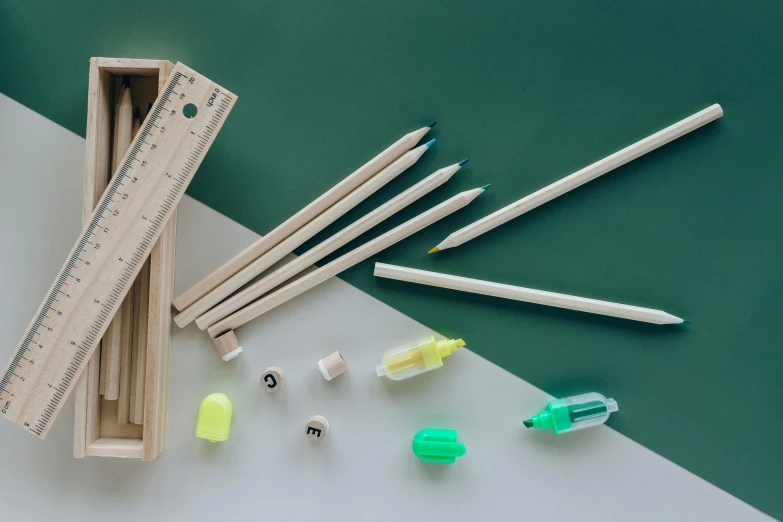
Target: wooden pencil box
[{"x": 97, "y": 431}]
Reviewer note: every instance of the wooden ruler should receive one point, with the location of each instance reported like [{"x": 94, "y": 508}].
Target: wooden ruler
[{"x": 113, "y": 246}]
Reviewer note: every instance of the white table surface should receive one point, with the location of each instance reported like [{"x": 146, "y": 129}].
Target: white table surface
[{"x": 364, "y": 469}]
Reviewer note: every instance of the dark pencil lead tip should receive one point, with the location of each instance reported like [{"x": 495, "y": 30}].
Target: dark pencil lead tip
[
  {"x": 137, "y": 113},
  {"x": 149, "y": 107},
  {"x": 126, "y": 81},
  {"x": 431, "y": 125},
  {"x": 463, "y": 162},
  {"x": 485, "y": 187},
  {"x": 528, "y": 423}
]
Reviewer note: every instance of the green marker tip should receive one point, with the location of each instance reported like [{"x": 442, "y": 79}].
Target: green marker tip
[
  {"x": 528, "y": 423},
  {"x": 485, "y": 187}
]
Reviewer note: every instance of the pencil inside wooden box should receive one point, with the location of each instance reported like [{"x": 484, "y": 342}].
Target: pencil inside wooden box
[{"x": 122, "y": 396}]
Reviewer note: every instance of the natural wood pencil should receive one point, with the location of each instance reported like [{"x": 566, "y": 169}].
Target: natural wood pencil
[
  {"x": 126, "y": 350},
  {"x": 581, "y": 177},
  {"x": 130, "y": 331},
  {"x": 528, "y": 295},
  {"x": 138, "y": 370},
  {"x": 344, "y": 262},
  {"x": 326, "y": 247},
  {"x": 136, "y": 122},
  {"x": 141, "y": 293},
  {"x": 113, "y": 338},
  {"x": 301, "y": 218},
  {"x": 285, "y": 247}
]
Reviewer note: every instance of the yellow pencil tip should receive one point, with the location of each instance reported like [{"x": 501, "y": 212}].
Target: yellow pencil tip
[{"x": 436, "y": 249}]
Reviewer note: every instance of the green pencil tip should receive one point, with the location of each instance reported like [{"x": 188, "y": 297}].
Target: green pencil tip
[
  {"x": 528, "y": 423},
  {"x": 685, "y": 321},
  {"x": 485, "y": 187}
]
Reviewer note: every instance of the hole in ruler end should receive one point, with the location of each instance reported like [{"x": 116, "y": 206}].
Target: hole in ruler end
[{"x": 189, "y": 111}]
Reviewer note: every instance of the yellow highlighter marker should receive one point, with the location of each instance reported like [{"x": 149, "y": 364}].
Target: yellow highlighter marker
[{"x": 426, "y": 355}]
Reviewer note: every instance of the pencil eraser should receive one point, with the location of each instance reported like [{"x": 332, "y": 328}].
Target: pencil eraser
[
  {"x": 272, "y": 379},
  {"x": 316, "y": 428},
  {"x": 332, "y": 365}
]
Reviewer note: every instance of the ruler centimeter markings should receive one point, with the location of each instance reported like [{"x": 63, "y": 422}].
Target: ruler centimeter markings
[{"x": 114, "y": 244}]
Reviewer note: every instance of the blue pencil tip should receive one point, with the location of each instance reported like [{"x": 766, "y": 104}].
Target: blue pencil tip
[
  {"x": 430, "y": 143},
  {"x": 463, "y": 162}
]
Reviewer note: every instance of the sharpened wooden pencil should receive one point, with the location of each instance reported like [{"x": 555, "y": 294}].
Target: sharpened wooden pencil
[
  {"x": 581, "y": 177},
  {"x": 528, "y": 295},
  {"x": 301, "y": 218},
  {"x": 114, "y": 337},
  {"x": 131, "y": 333},
  {"x": 296, "y": 239},
  {"x": 344, "y": 262},
  {"x": 326, "y": 247},
  {"x": 141, "y": 294}
]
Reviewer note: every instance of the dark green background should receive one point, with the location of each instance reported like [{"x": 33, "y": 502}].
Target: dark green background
[{"x": 531, "y": 91}]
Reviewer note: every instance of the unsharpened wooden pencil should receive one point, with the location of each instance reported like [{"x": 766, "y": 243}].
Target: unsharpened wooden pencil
[
  {"x": 326, "y": 247},
  {"x": 344, "y": 262},
  {"x": 581, "y": 177},
  {"x": 114, "y": 337},
  {"x": 528, "y": 295},
  {"x": 301, "y": 218},
  {"x": 285, "y": 247}
]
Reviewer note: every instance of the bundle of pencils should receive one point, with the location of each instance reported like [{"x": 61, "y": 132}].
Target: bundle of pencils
[
  {"x": 219, "y": 302},
  {"x": 538, "y": 198},
  {"x": 226, "y": 298}
]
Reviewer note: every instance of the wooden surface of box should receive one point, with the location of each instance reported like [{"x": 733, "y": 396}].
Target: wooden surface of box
[{"x": 96, "y": 429}]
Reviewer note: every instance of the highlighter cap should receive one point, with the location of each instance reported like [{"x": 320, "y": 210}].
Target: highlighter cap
[{"x": 214, "y": 418}]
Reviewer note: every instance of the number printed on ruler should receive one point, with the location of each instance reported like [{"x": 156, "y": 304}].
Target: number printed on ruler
[{"x": 126, "y": 223}]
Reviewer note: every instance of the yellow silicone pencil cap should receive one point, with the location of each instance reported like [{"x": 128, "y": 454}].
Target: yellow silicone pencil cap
[{"x": 214, "y": 418}]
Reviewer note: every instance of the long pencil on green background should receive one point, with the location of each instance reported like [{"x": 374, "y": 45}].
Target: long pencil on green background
[
  {"x": 581, "y": 177},
  {"x": 344, "y": 262},
  {"x": 528, "y": 295}
]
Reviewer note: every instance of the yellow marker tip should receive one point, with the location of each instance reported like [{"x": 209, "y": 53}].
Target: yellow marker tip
[
  {"x": 436, "y": 249},
  {"x": 460, "y": 343}
]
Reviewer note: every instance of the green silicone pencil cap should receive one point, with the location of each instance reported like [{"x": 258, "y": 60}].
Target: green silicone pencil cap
[{"x": 434, "y": 445}]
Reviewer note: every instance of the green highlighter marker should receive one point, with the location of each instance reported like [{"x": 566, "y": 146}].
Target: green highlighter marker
[{"x": 573, "y": 413}]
